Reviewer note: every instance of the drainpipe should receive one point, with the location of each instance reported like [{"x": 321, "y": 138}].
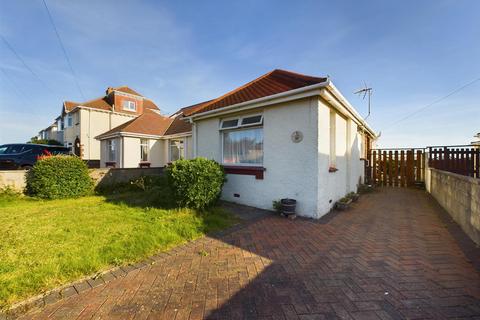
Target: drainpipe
[
  {"x": 195, "y": 142},
  {"x": 89, "y": 133}
]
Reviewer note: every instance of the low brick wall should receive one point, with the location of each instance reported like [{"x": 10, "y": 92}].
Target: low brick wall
[
  {"x": 103, "y": 177},
  {"x": 459, "y": 196}
]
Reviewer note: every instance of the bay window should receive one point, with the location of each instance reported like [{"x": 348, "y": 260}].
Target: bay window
[
  {"x": 242, "y": 141},
  {"x": 111, "y": 150}
]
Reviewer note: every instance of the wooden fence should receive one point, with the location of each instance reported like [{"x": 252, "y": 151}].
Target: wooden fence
[
  {"x": 463, "y": 159},
  {"x": 395, "y": 167}
]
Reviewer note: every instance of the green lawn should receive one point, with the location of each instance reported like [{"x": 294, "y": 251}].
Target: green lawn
[{"x": 45, "y": 244}]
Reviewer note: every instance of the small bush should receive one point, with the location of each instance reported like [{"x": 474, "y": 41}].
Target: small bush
[
  {"x": 57, "y": 177},
  {"x": 196, "y": 183}
]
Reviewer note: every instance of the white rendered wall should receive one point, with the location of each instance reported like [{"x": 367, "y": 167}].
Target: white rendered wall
[
  {"x": 92, "y": 124},
  {"x": 290, "y": 167},
  {"x": 157, "y": 156},
  {"x": 294, "y": 170},
  {"x": 131, "y": 154},
  {"x": 334, "y": 185}
]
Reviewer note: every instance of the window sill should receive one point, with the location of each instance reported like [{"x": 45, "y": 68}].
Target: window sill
[
  {"x": 245, "y": 170},
  {"x": 110, "y": 164},
  {"x": 144, "y": 164}
]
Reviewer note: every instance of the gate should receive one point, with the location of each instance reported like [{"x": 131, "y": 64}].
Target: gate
[{"x": 396, "y": 167}]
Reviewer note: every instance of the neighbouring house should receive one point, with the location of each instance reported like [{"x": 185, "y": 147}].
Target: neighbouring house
[
  {"x": 284, "y": 135},
  {"x": 151, "y": 140},
  {"x": 80, "y": 123},
  {"x": 49, "y": 133}
]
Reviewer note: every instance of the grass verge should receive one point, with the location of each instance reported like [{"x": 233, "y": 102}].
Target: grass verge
[{"x": 45, "y": 244}]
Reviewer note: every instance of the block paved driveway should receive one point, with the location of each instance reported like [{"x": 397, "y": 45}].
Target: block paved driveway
[{"x": 390, "y": 257}]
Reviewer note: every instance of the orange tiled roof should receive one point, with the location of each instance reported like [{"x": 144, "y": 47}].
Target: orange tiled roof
[
  {"x": 179, "y": 125},
  {"x": 149, "y": 123},
  {"x": 127, "y": 90},
  {"x": 103, "y": 103},
  {"x": 274, "y": 82}
]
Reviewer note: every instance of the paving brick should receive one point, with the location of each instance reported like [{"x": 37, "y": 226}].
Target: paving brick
[{"x": 389, "y": 257}]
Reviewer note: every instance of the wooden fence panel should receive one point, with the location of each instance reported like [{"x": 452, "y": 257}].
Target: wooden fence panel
[
  {"x": 462, "y": 160},
  {"x": 396, "y": 167}
]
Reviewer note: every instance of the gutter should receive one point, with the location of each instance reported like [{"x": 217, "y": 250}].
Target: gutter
[
  {"x": 333, "y": 96},
  {"x": 128, "y": 134},
  {"x": 337, "y": 95}
]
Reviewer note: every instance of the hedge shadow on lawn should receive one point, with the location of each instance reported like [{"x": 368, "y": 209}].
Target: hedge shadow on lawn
[{"x": 145, "y": 192}]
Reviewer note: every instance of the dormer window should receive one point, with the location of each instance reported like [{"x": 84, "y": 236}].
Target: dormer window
[{"x": 129, "y": 105}]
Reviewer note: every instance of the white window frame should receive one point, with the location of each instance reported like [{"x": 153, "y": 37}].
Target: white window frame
[
  {"x": 182, "y": 155},
  {"x": 144, "y": 143},
  {"x": 240, "y": 120},
  {"x": 127, "y": 105},
  {"x": 243, "y": 128},
  {"x": 111, "y": 142}
]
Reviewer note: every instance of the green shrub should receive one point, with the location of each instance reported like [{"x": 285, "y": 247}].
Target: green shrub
[
  {"x": 61, "y": 176},
  {"x": 196, "y": 183}
]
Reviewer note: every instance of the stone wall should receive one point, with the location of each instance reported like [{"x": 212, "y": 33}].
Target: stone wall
[
  {"x": 459, "y": 196},
  {"x": 16, "y": 178}
]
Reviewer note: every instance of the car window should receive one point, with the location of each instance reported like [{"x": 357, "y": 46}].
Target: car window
[
  {"x": 3, "y": 149},
  {"x": 14, "y": 149}
]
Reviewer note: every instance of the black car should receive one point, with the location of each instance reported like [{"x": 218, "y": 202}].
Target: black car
[{"x": 24, "y": 155}]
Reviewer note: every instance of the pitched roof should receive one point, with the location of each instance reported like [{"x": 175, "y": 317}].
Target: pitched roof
[
  {"x": 179, "y": 125},
  {"x": 128, "y": 90},
  {"x": 274, "y": 82},
  {"x": 103, "y": 103},
  {"x": 194, "y": 107},
  {"x": 149, "y": 123}
]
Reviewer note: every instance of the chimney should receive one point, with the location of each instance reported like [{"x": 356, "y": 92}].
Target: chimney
[{"x": 109, "y": 90}]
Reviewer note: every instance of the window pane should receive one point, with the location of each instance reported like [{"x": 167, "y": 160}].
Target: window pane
[
  {"x": 176, "y": 150},
  {"x": 230, "y": 123},
  {"x": 251, "y": 120},
  {"x": 111, "y": 150},
  {"x": 144, "y": 149},
  {"x": 129, "y": 105},
  {"x": 243, "y": 146}
]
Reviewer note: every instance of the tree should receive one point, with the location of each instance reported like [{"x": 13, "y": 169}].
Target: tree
[{"x": 50, "y": 142}]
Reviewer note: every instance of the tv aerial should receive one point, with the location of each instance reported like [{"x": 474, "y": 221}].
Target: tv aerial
[{"x": 366, "y": 91}]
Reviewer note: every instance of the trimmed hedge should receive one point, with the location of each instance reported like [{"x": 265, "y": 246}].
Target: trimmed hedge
[
  {"x": 196, "y": 183},
  {"x": 61, "y": 176}
]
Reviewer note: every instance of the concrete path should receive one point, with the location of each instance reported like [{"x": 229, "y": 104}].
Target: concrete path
[{"x": 389, "y": 257}]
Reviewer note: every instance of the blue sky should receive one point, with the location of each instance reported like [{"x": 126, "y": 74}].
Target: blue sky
[{"x": 183, "y": 52}]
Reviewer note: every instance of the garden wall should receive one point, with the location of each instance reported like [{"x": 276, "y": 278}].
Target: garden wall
[
  {"x": 459, "y": 196},
  {"x": 106, "y": 176},
  {"x": 13, "y": 178},
  {"x": 111, "y": 176}
]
